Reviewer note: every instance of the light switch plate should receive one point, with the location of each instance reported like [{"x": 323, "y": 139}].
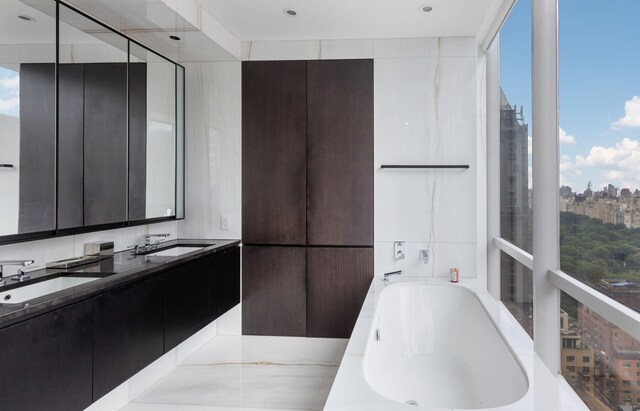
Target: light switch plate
[{"x": 225, "y": 223}]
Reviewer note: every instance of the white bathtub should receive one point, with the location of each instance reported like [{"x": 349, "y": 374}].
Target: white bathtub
[
  {"x": 445, "y": 347},
  {"x": 436, "y": 346}
]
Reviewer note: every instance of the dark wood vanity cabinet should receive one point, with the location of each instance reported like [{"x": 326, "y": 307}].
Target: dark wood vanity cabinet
[
  {"x": 68, "y": 358},
  {"x": 187, "y": 300},
  {"x": 128, "y": 329},
  {"x": 317, "y": 288},
  {"x": 225, "y": 284},
  {"x": 46, "y": 361}
]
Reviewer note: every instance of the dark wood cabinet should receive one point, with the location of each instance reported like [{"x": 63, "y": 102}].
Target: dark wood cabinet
[
  {"x": 46, "y": 361},
  {"x": 337, "y": 283},
  {"x": 37, "y": 148},
  {"x": 187, "y": 300},
  {"x": 274, "y": 291},
  {"x": 306, "y": 126},
  {"x": 225, "y": 285},
  {"x": 71, "y": 145},
  {"x": 105, "y": 143},
  {"x": 340, "y": 152},
  {"x": 128, "y": 329},
  {"x": 274, "y": 148}
]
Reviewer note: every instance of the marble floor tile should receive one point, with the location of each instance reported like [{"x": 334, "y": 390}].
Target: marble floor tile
[
  {"x": 277, "y": 350},
  {"x": 234, "y": 373}
]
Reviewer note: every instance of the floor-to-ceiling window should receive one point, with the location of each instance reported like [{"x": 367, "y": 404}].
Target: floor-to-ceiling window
[
  {"x": 590, "y": 254},
  {"x": 599, "y": 194},
  {"x": 516, "y": 288}
]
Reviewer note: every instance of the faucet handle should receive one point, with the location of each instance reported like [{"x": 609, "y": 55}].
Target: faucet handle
[{"x": 424, "y": 256}]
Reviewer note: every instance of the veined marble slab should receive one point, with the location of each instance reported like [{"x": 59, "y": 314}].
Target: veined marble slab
[{"x": 249, "y": 373}]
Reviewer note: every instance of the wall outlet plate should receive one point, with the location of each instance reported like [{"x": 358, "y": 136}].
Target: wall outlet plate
[{"x": 398, "y": 250}]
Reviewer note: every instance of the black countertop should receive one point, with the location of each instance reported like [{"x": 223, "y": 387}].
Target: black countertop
[{"x": 123, "y": 268}]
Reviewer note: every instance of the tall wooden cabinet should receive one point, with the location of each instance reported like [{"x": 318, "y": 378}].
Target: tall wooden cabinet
[{"x": 307, "y": 195}]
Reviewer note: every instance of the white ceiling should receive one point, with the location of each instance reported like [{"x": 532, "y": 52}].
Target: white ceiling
[{"x": 348, "y": 19}]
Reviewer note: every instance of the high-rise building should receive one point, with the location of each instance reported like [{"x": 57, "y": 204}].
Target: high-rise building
[{"x": 517, "y": 290}]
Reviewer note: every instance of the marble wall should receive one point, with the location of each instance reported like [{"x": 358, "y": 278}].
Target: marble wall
[{"x": 427, "y": 111}]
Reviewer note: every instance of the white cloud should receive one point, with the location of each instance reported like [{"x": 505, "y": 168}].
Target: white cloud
[
  {"x": 614, "y": 175},
  {"x": 565, "y": 163},
  {"x": 624, "y": 155},
  {"x": 10, "y": 83},
  {"x": 618, "y": 165},
  {"x": 566, "y": 138},
  {"x": 10, "y": 104},
  {"x": 631, "y": 114}
]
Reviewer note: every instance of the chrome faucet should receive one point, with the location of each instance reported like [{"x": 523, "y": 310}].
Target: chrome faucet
[
  {"x": 148, "y": 237},
  {"x": 21, "y": 276},
  {"x": 387, "y": 275}
]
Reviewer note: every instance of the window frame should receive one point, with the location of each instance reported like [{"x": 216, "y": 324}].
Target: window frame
[{"x": 549, "y": 279}]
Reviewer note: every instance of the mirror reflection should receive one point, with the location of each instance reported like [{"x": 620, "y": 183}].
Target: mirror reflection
[
  {"x": 27, "y": 117},
  {"x": 98, "y": 148},
  {"x": 152, "y": 135},
  {"x": 92, "y": 131}
]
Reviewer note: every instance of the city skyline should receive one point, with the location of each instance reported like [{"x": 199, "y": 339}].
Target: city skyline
[{"x": 599, "y": 102}]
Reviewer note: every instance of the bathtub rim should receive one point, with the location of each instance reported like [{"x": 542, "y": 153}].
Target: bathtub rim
[{"x": 457, "y": 286}]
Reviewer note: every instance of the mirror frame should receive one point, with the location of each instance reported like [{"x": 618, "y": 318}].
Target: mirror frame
[{"x": 179, "y": 174}]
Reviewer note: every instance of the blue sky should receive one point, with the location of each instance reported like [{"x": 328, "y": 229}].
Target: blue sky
[
  {"x": 599, "y": 63},
  {"x": 9, "y": 92}
]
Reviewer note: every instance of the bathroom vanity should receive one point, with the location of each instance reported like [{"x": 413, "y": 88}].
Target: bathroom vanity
[{"x": 65, "y": 350}]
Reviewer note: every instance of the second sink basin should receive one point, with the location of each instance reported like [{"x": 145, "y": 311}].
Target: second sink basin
[
  {"x": 175, "y": 251},
  {"x": 42, "y": 288}
]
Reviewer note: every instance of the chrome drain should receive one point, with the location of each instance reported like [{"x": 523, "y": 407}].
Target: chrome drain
[{"x": 412, "y": 402}]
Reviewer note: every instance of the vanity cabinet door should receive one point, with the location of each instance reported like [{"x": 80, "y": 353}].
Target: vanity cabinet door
[
  {"x": 274, "y": 294},
  {"x": 46, "y": 361},
  {"x": 337, "y": 283},
  {"x": 225, "y": 286},
  {"x": 127, "y": 332},
  {"x": 187, "y": 300}
]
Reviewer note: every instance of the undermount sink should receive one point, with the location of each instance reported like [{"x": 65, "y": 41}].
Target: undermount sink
[
  {"x": 175, "y": 251},
  {"x": 29, "y": 292}
]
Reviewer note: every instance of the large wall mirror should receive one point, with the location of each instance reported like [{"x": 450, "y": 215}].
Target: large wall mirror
[
  {"x": 27, "y": 124},
  {"x": 91, "y": 136}
]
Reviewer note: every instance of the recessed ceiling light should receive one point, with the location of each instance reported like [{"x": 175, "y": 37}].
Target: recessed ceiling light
[
  {"x": 426, "y": 8},
  {"x": 176, "y": 38},
  {"x": 290, "y": 12},
  {"x": 25, "y": 17}
]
